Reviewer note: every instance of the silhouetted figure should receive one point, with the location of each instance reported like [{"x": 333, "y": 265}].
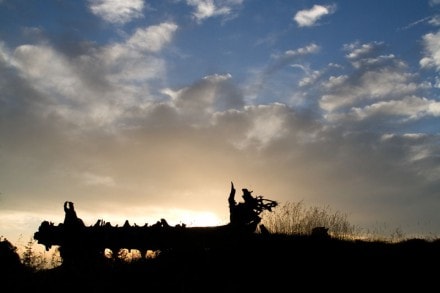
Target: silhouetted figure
[
  {"x": 244, "y": 213},
  {"x": 70, "y": 218},
  {"x": 73, "y": 248}
]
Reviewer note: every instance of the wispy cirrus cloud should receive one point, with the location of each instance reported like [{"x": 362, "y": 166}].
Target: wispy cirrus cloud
[{"x": 204, "y": 9}]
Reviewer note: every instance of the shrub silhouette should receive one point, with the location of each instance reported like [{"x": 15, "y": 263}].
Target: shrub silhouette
[{"x": 9, "y": 258}]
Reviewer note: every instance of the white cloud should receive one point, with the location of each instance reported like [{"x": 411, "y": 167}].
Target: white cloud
[
  {"x": 94, "y": 89},
  {"x": 435, "y": 20},
  {"x": 218, "y": 77},
  {"x": 253, "y": 127},
  {"x": 309, "y": 49},
  {"x": 127, "y": 67},
  {"x": 117, "y": 11},
  {"x": 382, "y": 77},
  {"x": 412, "y": 107},
  {"x": 311, "y": 76},
  {"x": 203, "y": 8},
  {"x": 269, "y": 122},
  {"x": 360, "y": 51},
  {"x": 129, "y": 64},
  {"x": 368, "y": 86},
  {"x": 152, "y": 38},
  {"x": 203, "y": 98},
  {"x": 311, "y": 16},
  {"x": 210, "y": 8},
  {"x": 434, "y": 108},
  {"x": 288, "y": 57},
  {"x": 431, "y": 43},
  {"x": 49, "y": 71}
]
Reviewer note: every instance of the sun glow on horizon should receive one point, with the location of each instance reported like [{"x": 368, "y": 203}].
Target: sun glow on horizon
[
  {"x": 200, "y": 218},
  {"x": 150, "y": 216}
]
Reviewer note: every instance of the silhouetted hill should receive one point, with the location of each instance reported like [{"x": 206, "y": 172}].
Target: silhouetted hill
[{"x": 260, "y": 263}]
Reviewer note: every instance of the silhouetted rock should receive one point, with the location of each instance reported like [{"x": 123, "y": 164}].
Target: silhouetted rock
[{"x": 320, "y": 233}]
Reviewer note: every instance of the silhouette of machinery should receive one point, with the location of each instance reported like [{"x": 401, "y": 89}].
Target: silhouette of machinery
[{"x": 79, "y": 243}]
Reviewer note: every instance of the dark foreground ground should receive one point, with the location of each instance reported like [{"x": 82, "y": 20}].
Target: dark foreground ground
[{"x": 271, "y": 263}]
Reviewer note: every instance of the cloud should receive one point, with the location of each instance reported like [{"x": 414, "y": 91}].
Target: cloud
[
  {"x": 435, "y": 20},
  {"x": 376, "y": 77},
  {"x": 211, "y": 94},
  {"x": 311, "y": 76},
  {"x": 369, "y": 86},
  {"x": 152, "y": 38},
  {"x": 361, "y": 51},
  {"x": 93, "y": 89},
  {"x": 411, "y": 107},
  {"x": 431, "y": 44},
  {"x": 261, "y": 78},
  {"x": 210, "y": 8},
  {"x": 289, "y": 56},
  {"x": 312, "y": 48},
  {"x": 268, "y": 123},
  {"x": 117, "y": 11},
  {"x": 309, "y": 17}
]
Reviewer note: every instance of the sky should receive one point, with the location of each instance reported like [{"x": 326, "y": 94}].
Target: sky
[{"x": 140, "y": 110}]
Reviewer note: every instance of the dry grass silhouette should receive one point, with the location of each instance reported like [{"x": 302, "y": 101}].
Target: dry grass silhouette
[{"x": 296, "y": 218}]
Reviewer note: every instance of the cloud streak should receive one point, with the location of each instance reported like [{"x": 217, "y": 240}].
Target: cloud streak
[{"x": 204, "y": 9}]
